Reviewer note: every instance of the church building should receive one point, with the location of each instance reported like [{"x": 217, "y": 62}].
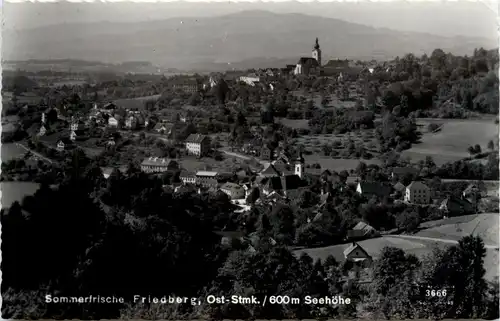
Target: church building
[{"x": 310, "y": 65}]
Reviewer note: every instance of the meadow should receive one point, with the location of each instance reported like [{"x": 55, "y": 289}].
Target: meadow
[{"x": 451, "y": 142}]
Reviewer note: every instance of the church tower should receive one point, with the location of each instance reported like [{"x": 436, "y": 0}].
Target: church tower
[
  {"x": 316, "y": 53},
  {"x": 299, "y": 166}
]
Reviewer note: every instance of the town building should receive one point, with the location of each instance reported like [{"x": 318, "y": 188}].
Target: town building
[
  {"x": 233, "y": 190},
  {"x": 187, "y": 177},
  {"x": 159, "y": 165},
  {"x": 198, "y": 145},
  {"x": 417, "y": 193}
]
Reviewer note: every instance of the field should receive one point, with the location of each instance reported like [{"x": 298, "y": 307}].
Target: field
[
  {"x": 16, "y": 191},
  {"x": 451, "y": 143},
  {"x": 453, "y": 229},
  {"x": 314, "y": 143},
  {"x": 137, "y": 102},
  {"x": 294, "y": 123},
  {"x": 337, "y": 164}
]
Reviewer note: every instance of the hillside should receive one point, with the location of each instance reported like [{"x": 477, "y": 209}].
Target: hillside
[
  {"x": 258, "y": 36},
  {"x": 452, "y": 229}
]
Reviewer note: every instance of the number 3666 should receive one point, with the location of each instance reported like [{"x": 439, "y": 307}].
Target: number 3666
[{"x": 439, "y": 293}]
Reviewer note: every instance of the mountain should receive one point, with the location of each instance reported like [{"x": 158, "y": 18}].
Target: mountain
[{"x": 258, "y": 36}]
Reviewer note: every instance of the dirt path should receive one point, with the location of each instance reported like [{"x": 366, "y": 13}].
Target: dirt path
[
  {"x": 423, "y": 238},
  {"x": 35, "y": 153}
]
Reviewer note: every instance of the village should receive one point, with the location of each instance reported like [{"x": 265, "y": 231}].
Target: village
[{"x": 329, "y": 149}]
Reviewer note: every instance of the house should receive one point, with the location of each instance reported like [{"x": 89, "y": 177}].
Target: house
[
  {"x": 43, "y": 130},
  {"x": 266, "y": 153},
  {"x": 355, "y": 253},
  {"x": 472, "y": 194},
  {"x": 402, "y": 171},
  {"x": 112, "y": 122},
  {"x": 361, "y": 231},
  {"x": 417, "y": 193},
  {"x": 163, "y": 128},
  {"x": 64, "y": 144},
  {"x": 159, "y": 165},
  {"x": 187, "y": 177},
  {"x": 109, "y": 106},
  {"x": 370, "y": 189},
  {"x": 198, "y": 145},
  {"x": 72, "y": 135},
  {"x": 188, "y": 85},
  {"x": 77, "y": 126},
  {"x": 310, "y": 65},
  {"x": 455, "y": 206},
  {"x": 399, "y": 187},
  {"x": 233, "y": 190}
]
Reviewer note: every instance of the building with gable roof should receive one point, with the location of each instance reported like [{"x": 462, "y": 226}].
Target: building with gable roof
[
  {"x": 417, "y": 193},
  {"x": 356, "y": 254},
  {"x": 197, "y": 144},
  {"x": 159, "y": 165},
  {"x": 361, "y": 231}
]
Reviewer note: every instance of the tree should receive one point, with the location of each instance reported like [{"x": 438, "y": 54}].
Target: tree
[
  {"x": 460, "y": 270},
  {"x": 491, "y": 145},
  {"x": 477, "y": 149},
  {"x": 408, "y": 221},
  {"x": 282, "y": 220},
  {"x": 471, "y": 150}
]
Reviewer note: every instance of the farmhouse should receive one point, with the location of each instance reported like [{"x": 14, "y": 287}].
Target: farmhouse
[
  {"x": 198, "y": 145},
  {"x": 355, "y": 253},
  {"x": 362, "y": 230},
  {"x": 454, "y": 206},
  {"x": 417, "y": 193},
  {"x": 158, "y": 165},
  {"x": 472, "y": 194}
]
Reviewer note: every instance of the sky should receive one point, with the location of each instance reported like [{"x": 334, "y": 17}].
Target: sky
[{"x": 451, "y": 18}]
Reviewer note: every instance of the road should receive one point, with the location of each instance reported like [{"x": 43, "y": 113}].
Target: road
[
  {"x": 423, "y": 238},
  {"x": 238, "y": 155},
  {"x": 35, "y": 153}
]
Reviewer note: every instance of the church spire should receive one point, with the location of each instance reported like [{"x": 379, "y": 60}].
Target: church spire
[{"x": 316, "y": 46}]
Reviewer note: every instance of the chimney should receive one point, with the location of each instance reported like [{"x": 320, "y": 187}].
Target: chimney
[{"x": 353, "y": 243}]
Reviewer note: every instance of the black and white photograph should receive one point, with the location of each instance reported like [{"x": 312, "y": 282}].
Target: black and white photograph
[{"x": 250, "y": 160}]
